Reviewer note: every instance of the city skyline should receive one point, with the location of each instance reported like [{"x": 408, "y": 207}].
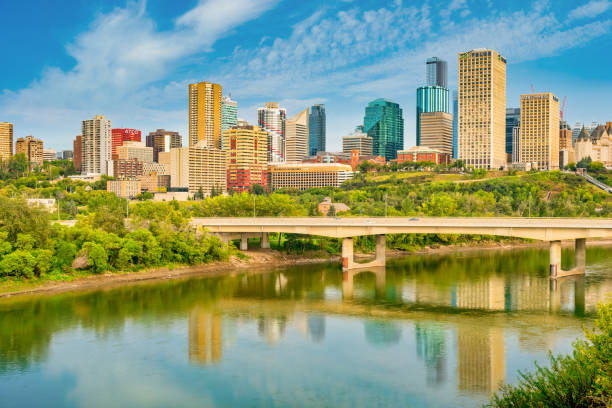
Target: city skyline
[{"x": 47, "y": 94}]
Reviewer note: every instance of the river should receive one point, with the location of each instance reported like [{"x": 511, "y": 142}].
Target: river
[{"x": 429, "y": 330}]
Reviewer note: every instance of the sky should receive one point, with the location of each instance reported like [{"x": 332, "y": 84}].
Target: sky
[{"x": 132, "y": 61}]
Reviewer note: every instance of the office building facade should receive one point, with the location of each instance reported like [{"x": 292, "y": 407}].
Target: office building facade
[
  {"x": 96, "y": 144},
  {"x": 67, "y": 154},
  {"x": 135, "y": 150},
  {"x": 384, "y": 123},
  {"x": 119, "y": 136},
  {"x": 272, "y": 119},
  {"x": 565, "y": 136},
  {"x": 437, "y": 72},
  {"x": 198, "y": 167},
  {"x": 513, "y": 119},
  {"x": 539, "y": 140},
  {"x": 430, "y": 99},
  {"x": 357, "y": 141},
  {"x": 437, "y": 131},
  {"x": 296, "y": 137},
  {"x": 163, "y": 140},
  {"x": 482, "y": 109},
  {"x": 49, "y": 155},
  {"x": 205, "y": 114},
  {"x": 32, "y": 148},
  {"x": 423, "y": 154},
  {"x": 229, "y": 114},
  {"x": 302, "y": 176},
  {"x": 6, "y": 140},
  {"x": 247, "y": 157},
  {"x": 316, "y": 130},
  {"x": 77, "y": 149},
  {"x": 455, "y": 123}
]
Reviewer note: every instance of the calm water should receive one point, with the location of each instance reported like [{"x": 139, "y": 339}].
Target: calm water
[{"x": 439, "y": 331}]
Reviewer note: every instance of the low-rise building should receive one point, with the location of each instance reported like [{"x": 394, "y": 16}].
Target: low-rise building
[
  {"x": 303, "y": 176},
  {"x": 423, "y": 154},
  {"x": 596, "y": 145},
  {"x": 67, "y": 154},
  {"x": 124, "y": 188},
  {"x": 327, "y": 203},
  {"x": 48, "y": 203},
  {"x": 357, "y": 141},
  {"x": 125, "y": 169},
  {"x": 49, "y": 155},
  {"x": 135, "y": 150}
]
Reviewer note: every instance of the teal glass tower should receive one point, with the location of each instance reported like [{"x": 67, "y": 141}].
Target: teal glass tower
[
  {"x": 430, "y": 99},
  {"x": 384, "y": 123}
]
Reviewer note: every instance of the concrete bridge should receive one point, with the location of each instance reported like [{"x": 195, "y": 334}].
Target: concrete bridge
[{"x": 553, "y": 230}]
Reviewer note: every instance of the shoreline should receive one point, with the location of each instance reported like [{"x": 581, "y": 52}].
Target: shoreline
[{"x": 258, "y": 260}]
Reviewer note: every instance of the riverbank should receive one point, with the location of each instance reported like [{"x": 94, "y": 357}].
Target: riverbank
[{"x": 256, "y": 260}]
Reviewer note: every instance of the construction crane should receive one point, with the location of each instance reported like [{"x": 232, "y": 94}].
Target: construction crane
[{"x": 562, "y": 108}]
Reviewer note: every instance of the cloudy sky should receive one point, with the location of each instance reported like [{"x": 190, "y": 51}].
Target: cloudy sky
[{"x": 63, "y": 62}]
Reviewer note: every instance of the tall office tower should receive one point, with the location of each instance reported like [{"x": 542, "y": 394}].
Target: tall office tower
[
  {"x": 576, "y": 132},
  {"x": 229, "y": 114},
  {"x": 357, "y": 141},
  {"x": 430, "y": 99},
  {"x": 513, "y": 118},
  {"x": 272, "y": 119},
  {"x": 163, "y": 140},
  {"x": 516, "y": 144},
  {"x": 6, "y": 140},
  {"x": 455, "y": 123},
  {"x": 205, "y": 114},
  {"x": 565, "y": 135},
  {"x": 437, "y": 72},
  {"x": 247, "y": 150},
  {"x": 316, "y": 130},
  {"x": 540, "y": 130},
  {"x": 96, "y": 145},
  {"x": 482, "y": 109},
  {"x": 437, "y": 131},
  {"x": 77, "y": 148},
  {"x": 32, "y": 148},
  {"x": 296, "y": 138},
  {"x": 118, "y": 136},
  {"x": 384, "y": 123}
]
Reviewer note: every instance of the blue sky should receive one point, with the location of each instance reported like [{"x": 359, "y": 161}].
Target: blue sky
[{"x": 132, "y": 60}]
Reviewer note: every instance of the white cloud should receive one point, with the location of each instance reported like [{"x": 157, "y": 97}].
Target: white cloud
[{"x": 592, "y": 9}]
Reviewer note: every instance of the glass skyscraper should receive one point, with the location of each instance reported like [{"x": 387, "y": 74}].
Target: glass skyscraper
[
  {"x": 513, "y": 118},
  {"x": 437, "y": 72},
  {"x": 430, "y": 99},
  {"x": 384, "y": 123},
  {"x": 229, "y": 115},
  {"x": 316, "y": 130}
]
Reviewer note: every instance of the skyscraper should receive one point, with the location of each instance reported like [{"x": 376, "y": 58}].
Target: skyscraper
[
  {"x": 96, "y": 145},
  {"x": 118, "y": 136},
  {"x": 455, "y": 123},
  {"x": 384, "y": 123},
  {"x": 77, "y": 147},
  {"x": 6, "y": 140},
  {"x": 540, "y": 130},
  {"x": 247, "y": 152},
  {"x": 437, "y": 72},
  {"x": 229, "y": 114},
  {"x": 513, "y": 118},
  {"x": 482, "y": 109},
  {"x": 271, "y": 118},
  {"x": 437, "y": 131},
  {"x": 430, "y": 99},
  {"x": 576, "y": 132},
  {"x": 296, "y": 140},
  {"x": 163, "y": 140},
  {"x": 205, "y": 114},
  {"x": 316, "y": 130}
]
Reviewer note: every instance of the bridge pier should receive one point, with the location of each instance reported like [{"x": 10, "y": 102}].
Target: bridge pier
[
  {"x": 244, "y": 241},
  {"x": 348, "y": 260},
  {"x": 265, "y": 241},
  {"x": 579, "y": 259}
]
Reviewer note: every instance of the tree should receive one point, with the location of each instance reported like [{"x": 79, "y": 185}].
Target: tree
[
  {"x": 257, "y": 189},
  {"x": 332, "y": 211},
  {"x": 584, "y": 163}
]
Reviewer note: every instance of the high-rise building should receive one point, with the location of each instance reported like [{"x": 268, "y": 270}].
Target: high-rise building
[
  {"x": 229, "y": 114},
  {"x": 6, "y": 140},
  {"x": 437, "y": 131},
  {"x": 49, "y": 155},
  {"x": 576, "y": 132},
  {"x": 513, "y": 118},
  {"x": 430, "y": 99},
  {"x": 247, "y": 150},
  {"x": 316, "y": 130},
  {"x": 296, "y": 137},
  {"x": 163, "y": 140},
  {"x": 455, "y": 123},
  {"x": 135, "y": 150},
  {"x": 482, "y": 109},
  {"x": 565, "y": 136},
  {"x": 539, "y": 141},
  {"x": 205, "y": 114},
  {"x": 96, "y": 145},
  {"x": 198, "y": 167},
  {"x": 119, "y": 136},
  {"x": 32, "y": 148},
  {"x": 437, "y": 72},
  {"x": 516, "y": 144},
  {"x": 77, "y": 147},
  {"x": 357, "y": 141},
  {"x": 384, "y": 123},
  {"x": 272, "y": 119}
]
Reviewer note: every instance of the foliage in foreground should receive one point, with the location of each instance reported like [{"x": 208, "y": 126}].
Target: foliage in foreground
[{"x": 580, "y": 379}]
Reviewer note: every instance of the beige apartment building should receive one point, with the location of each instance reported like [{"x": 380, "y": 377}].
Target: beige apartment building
[
  {"x": 296, "y": 137},
  {"x": 96, "y": 145},
  {"x": 6, "y": 140},
  {"x": 437, "y": 131},
  {"x": 135, "y": 150},
  {"x": 482, "y": 109},
  {"x": 205, "y": 114},
  {"x": 124, "y": 188},
  {"x": 247, "y": 161},
  {"x": 32, "y": 148},
  {"x": 198, "y": 166},
  {"x": 539, "y": 131},
  {"x": 303, "y": 176}
]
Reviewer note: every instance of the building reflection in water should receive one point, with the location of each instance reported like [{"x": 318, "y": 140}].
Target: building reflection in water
[
  {"x": 431, "y": 348},
  {"x": 272, "y": 328},
  {"x": 481, "y": 359},
  {"x": 382, "y": 333},
  {"x": 205, "y": 345}
]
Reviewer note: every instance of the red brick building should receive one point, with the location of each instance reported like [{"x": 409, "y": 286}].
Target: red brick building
[{"x": 423, "y": 154}]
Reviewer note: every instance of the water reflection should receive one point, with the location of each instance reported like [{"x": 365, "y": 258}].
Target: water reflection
[{"x": 458, "y": 322}]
